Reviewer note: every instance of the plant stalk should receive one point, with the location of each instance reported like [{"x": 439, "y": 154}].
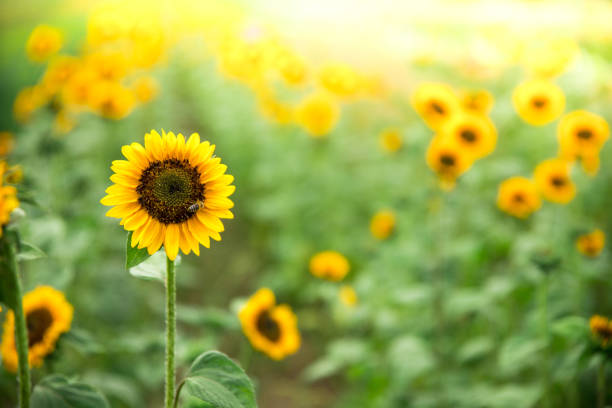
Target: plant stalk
[
  {"x": 170, "y": 331},
  {"x": 601, "y": 384}
]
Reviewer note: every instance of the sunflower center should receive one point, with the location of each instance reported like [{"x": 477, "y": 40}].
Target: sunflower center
[
  {"x": 436, "y": 107},
  {"x": 447, "y": 160},
  {"x": 584, "y": 134},
  {"x": 38, "y": 321},
  {"x": 518, "y": 198},
  {"x": 168, "y": 188},
  {"x": 539, "y": 102},
  {"x": 558, "y": 181},
  {"x": 267, "y": 326},
  {"x": 468, "y": 135}
]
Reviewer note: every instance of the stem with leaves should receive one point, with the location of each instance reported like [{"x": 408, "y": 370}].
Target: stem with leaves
[
  {"x": 601, "y": 384},
  {"x": 170, "y": 331}
]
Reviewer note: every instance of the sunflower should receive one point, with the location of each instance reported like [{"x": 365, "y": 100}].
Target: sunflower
[
  {"x": 44, "y": 42},
  {"x": 553, "y": 181},
  {"x": 591, "y": 244},
  {"x": 340, "y": 79},
  {"x": 270, "y": 328},
  {"x": 145, "y": 89},
  {"x": 171, "y": 192},
  {"x": 391, "y": 140},
  {"x": 590, "y": 164},
  {"x": 7, "y": 142},
  {"x": 601, "y": 328},
  {"x": 382, "y": 224},
  {"x": 318, "y": 114},
  {"x": 8, "y": 198},
  {"x": 48, "y": 314},
  {"x": 538, "y": 101},
  {"x": 28, "y": 100},
  {"x": 582, "y": 134},
  {"x": 348, "y": 296},
  {"x": 330, "y": 265},
  {"x": 518, "y": 196},
  {"x": 59, "y": 71},
  {"x": 446, "y": 158},
  {"x": 435, "y": 102},
  {"x": 111, "y": 99},
  {"x": 479, "y": 101},
  {"x": 474, "y": 133}
]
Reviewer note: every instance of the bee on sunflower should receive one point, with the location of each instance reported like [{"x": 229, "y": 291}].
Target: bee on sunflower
[
  {"x": 446, "y": 158},
  {"x": 474, "y": 133},
  {"x": 172, "y": 192},
  {"x": 330, "y": 265},
  {"x": 538, "y": 101},
  {"x": 581, "y": 136},
  {"x": 271, "y": 328},
  {"x": 518, "y": 196},
  {"x": 435, "y": 102},
  {"x": 591, "y": 244},
  {"x": 553, "y": 181},
  {"x": 48, "y": 315}
]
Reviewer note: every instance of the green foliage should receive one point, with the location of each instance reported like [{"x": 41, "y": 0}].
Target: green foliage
[
  {"x": 57, "y": 391},
  {"x": 133, "y": 255}
]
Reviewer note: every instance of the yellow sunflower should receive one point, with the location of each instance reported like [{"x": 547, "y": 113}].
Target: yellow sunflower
[
  {"x": 44, "y": 42},
  {"x": 7, "y": 142},
  {"x": 582, "y": 134},
  {"x": 391, "y": 140},
  {"x": 591, "y": 244},
  {"x": 8, "y": 198},
  {"x": 553, "y": 181},
  {"x": 171, "y": 192},
  {"x": 538, "y": 101},
  {"x": 518, "y": 196},
  {"x": 145, "y": 89},
  {"x": 348, "y": 296},
  {"x": 382, "y": 224},
  {"x": 601, "y": 328},
  {"x": 340, "y": 79},
  {"x": 435, "y": 102},
  {"x": 271, "y": 329},
  {"x": 479, "y": 101},
  {"x": 474, "y": 133},
  {"x": 446, "y": 158},
  {"x": 330, "y": 265},
  {"x": 48, "y": 314},
  {"x": 111, "y": 99},
  {"x": 318, "y": 114}
]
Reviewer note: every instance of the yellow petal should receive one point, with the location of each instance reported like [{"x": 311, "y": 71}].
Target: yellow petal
[
  {"x": 117, "y": 199},
  {"x": 157, "y": 240},
  {"x": 124, "y": 180},
  {"x": 199, "y": 231},
  {"x": 136, "y": 220},
  {"x": 210, "y": 221},
  {"x": 171, "y": 241},
  {"x": 123, "y": 211}
]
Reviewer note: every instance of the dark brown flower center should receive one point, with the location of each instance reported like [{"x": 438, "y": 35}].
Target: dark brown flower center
[
  {"x": 447, "y": 160},
  {"x": 437, "y": 108},
  {"x": 468, "y": 135},
  {"x": 518, "y": 198},
  {"x": 539, "y": 102},
  {"x": 268, "y": 327},
  {"x": 584, "y": 134},
  {"x": 38, "y": 321},
  {"x": 168, "y": 188},
  {"x": 558, "y": 181}
]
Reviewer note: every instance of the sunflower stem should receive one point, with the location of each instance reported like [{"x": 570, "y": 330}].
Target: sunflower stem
[
  {"x": 546, "y": 335},
  {"x": 601, "y": 384},
  {"x": 170, "y": 330},
  {"x": 21, "y": 331}
]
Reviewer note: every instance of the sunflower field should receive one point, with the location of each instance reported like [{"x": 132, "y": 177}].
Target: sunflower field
[{"x": 318, "y": 204}]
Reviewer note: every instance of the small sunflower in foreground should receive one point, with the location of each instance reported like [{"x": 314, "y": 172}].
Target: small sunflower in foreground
[
  {"x": 330, "y": 265},
  {"x": 391, "y": 140},
  {"x": 436, "y": 103},
  {"x": 601, "y": 328},
  {"x": 538, "y": 101},
  {"x": 591, "y": 244},
  {"x": 44, "y": 42},
  {"x": 271, "y": 328},
  {"x": 553, "y": 181},
  {"x": 318, "y": 114},
  {"x": 474, "y": 133},
  {"x": 8, "y": 198},
  {"x": 382, "y": 224},
  {"x": 582, "y": 134},
  {"x": 518, "y": 196},
  {"x": 446, "y": 158},
  {"x": 48, "y": 314},
  {"x": 478, "y": 101},
  {"x": 171, "y": 192}
]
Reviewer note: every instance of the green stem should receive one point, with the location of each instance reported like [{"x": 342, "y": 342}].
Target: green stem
[
  {"x": 601, "y": 384},
  {"x": 170, "y": 330},
  {"x": 178, "y": 391},
  {"x": 21, "y": 331},
  {"x": 545, "y": 333}
]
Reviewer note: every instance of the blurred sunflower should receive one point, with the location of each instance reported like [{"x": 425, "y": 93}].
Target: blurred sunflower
[
  {"x": 111, "y": 99},
  {"x": 446, "y": 158},
  {"x": 391, "y": 140},
  {"x": 171, "y": 192},
  {"x": 291, "y": 67},
  {"x": 145, "y": 89},
  {"x": 8, "y": 198},
  {"x": 553, "y": 181},
  {"x": 58, "y": 73},
  {"x": 538, "y": 101},
  {"x": 591, "y": 244},
  {"x": 27, "y": 101},
  {"x": 601, "y": 328},
  {"x": 270, "y": 328},
  {"x": 435, "y": 102},
  {"x": 582, "y": 134},
  {"x": 382, "y": 224},
  {"x": 479, "y": 101},
  {"x": 48, "y": 314},
  {"x": 318, "y": 113},
  {"x": 348, "y": 296},
  {"x": 473, "y": 132},
  {"x": 518, "y": 196},
  {"x": 44, "y": 42},
  {"x": 7, "y": 142},
  {"x": 110, "y": 66},
  {"x": 339, "y": 79},
  {"x": 330, "y": 265}
]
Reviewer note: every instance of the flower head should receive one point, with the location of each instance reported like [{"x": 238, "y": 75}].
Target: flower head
[
  {"x": 538, "y": 101},
  {"x": 436, "y": 103},
  {"x": 270, "y": 328},
  {"x": 474, "y": 133},
  {"x": 391, "y": 140},
  {"x": 601, "y": 328},
  {"x": 582, "y": 134},
  {"x": 330, "y": 265},
  {"x": 7, "y": 142},
  {"x": 44, "y": 42},
  {"x": 553, "y": 181},
  {"x": 172, "y": 192},
  {"x": 145, "y": 89},
  {"x": 340, "y": 79},
  {"x": 591, "y": 244},
  {"x": 318, "y": 113},
  {"x": 447, "y": 159},
  {"x": 382, "y": 224},
  {"x": 518, "y": 196},
  {"x": 478, "y": 101},
  {"x": 8, "y": 198},
  {"x": 111, "y": 99},
  {"x": 48, "y": 314},
  {"x": 348, "y": 296}
]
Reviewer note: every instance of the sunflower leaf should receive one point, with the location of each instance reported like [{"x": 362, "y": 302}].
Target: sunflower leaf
[
  {"x": 134, "y": 256},
  {"x": 218, "y": 381},
  {"x": 29, "y": 252},
  {"x": 57, "y": 391}
]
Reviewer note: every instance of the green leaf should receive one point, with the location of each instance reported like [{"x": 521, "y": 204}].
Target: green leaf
[
  {"x": 153, "y": 268},
  {"x": 57, "y": 391},
  {"x": 134, "y": 256},
  {"x": 219, "y": 382},
  {"x": 29, "y": 252}
]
